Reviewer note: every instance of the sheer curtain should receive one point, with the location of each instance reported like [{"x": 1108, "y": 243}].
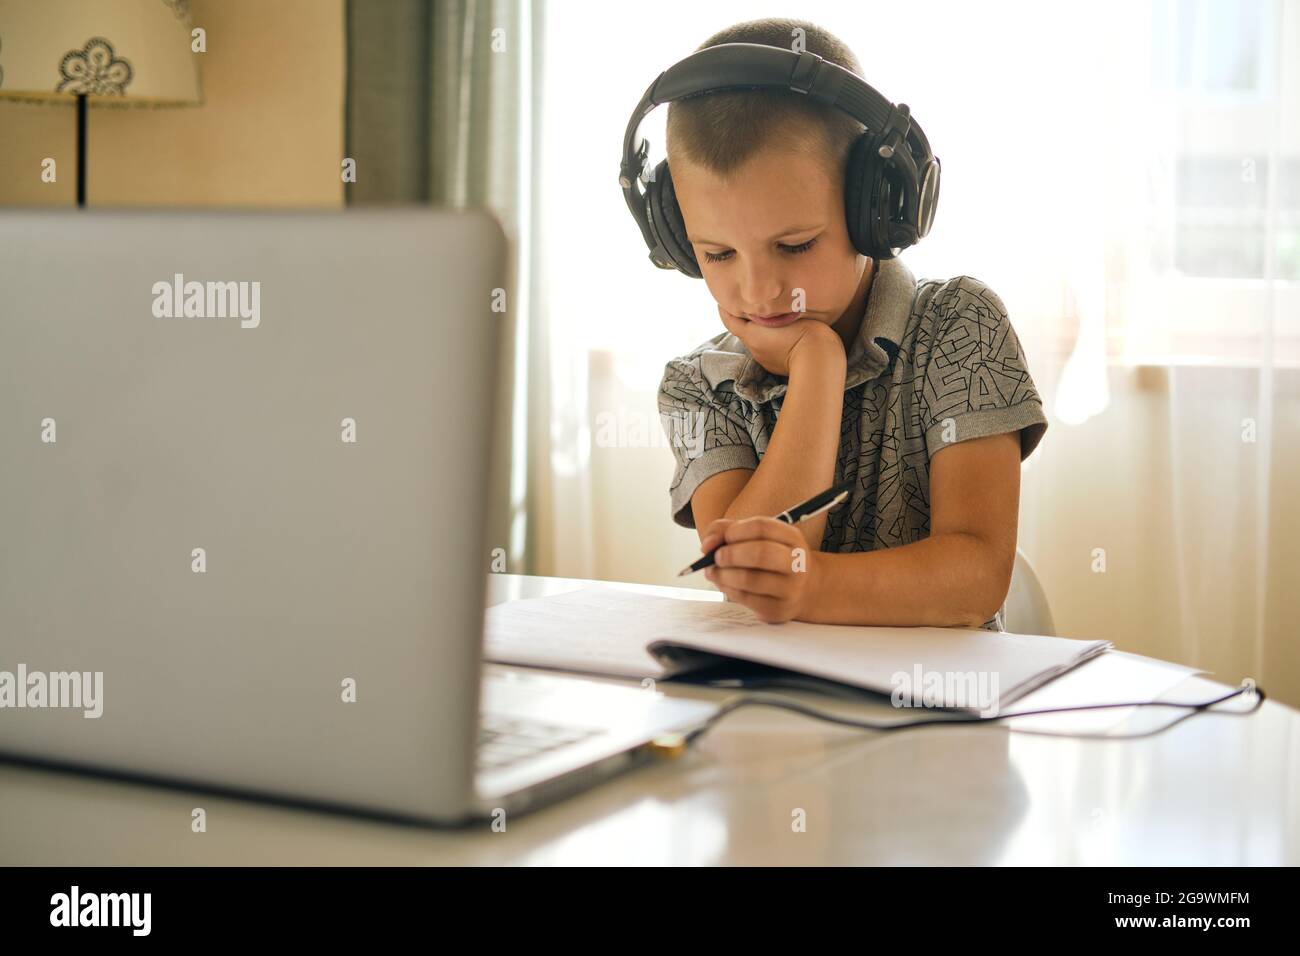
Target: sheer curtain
[
  {"x": 1161, "y": 516},
  {"x": 1221, "y": 305},
  {"x": 1125, "y": 175}
]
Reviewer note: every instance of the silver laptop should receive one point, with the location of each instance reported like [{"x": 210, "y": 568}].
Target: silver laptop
[{"x": 243, "y": 509}]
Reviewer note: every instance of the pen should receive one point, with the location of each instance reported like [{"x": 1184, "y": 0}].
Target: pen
[{"x": 814, "y": 506}]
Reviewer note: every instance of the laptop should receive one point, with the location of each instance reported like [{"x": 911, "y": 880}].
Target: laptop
[{"x": 243, "y": 512}]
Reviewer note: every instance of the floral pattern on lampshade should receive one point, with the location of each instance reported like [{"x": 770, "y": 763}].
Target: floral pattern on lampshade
[
  {"x": 179, "y": 7},
  {"x": 94, "y": 70}
]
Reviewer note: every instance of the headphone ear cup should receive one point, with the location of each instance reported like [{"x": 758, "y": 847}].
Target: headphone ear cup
[
  {"x": 666, "y": 216},
  {"x": 868, "y": 193},
  {"x": 857, "y": 191},
  {"x": 893, "y": 203},
  {"x": 885, "y": 196}
]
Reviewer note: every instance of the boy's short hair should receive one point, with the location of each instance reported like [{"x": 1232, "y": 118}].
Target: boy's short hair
[{"x": 721, "y": 131}]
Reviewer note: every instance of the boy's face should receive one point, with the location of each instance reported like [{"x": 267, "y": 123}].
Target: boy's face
[{"x": 747, "y": 232}]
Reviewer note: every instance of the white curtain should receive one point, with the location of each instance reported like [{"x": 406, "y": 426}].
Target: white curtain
[
  {"x": 1125, "y": 174},
  {"x": 1223, "y": 302},
  {"x": 1162, "y": 513}
]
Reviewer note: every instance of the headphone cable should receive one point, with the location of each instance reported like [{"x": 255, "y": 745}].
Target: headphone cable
[{"x": 674, "y": 744}]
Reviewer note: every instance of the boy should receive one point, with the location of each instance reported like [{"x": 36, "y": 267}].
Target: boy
[{"x": 915, "y": 391}]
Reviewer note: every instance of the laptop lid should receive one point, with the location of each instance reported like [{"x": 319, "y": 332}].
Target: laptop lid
[{"x": 245, "y": 462}]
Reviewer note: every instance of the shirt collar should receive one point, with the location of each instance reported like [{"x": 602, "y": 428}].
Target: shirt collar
[{"x": 889, "y": 304}]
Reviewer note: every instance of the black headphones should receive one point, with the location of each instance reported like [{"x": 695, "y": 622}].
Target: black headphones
[{"x": 890, "y": 193}]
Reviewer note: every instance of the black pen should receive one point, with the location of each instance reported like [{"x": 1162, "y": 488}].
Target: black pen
[{"x": 801, "y": 512}]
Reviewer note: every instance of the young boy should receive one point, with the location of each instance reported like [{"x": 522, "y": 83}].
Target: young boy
[{"x": 916, "y": 391}]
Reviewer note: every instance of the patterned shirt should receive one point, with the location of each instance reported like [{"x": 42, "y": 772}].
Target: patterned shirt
[{"x": 934, "y": 362}]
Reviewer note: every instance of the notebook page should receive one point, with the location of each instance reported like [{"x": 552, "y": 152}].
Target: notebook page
[
  {"x": 984, "y": 668},
  {"x": 608, "y": 630},
  {"x": 602, "y": 630}
]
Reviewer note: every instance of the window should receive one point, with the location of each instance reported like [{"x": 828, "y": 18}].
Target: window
[{"x": 1235, "y": 180}]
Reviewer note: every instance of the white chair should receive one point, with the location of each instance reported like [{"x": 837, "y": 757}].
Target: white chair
[{"x": 1026, "y": 607}]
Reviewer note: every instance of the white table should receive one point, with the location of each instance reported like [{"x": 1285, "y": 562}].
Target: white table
[{"x": 1215, "y": 790}]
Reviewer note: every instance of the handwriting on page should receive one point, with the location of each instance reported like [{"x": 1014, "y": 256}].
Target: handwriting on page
[{"x": 602, "y": 630}]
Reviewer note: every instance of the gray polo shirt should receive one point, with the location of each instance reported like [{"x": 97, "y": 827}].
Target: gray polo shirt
[{"x": 934, "y": 362}]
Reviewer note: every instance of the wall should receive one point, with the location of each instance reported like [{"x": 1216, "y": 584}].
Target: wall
[{"x": 270, "y": 132}]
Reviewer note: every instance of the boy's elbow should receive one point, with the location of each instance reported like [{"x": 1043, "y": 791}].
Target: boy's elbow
[
  {"x": 981, "y": 599},
  {"x": 993, "y": 595},
  {"x": 976, "y": 617}
]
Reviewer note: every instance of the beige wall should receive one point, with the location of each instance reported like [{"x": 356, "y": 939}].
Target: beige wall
[{"x": 270, "y": 132}]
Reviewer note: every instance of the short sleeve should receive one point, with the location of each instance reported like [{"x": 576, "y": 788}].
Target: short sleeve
[
  {"x": 706, "y": 430},
  {"x": 975, "y": 380}
]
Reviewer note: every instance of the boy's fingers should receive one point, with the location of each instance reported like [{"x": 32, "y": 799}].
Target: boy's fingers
[
  {"x": 749, "y": 529},
  {"x": 764, "y": 554},
  {"x": 714, "y": 533}
]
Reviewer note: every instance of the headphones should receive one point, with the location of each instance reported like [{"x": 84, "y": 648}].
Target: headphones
[{"x": 890, "y": 193}]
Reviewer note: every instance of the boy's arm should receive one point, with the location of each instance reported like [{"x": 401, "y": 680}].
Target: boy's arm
[
  {"x": 957, "y": 577},
  {"x": 800, "y": 457}
]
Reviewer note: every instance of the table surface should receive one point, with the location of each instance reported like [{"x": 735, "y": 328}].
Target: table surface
[{"x": 1214, "y": 790}]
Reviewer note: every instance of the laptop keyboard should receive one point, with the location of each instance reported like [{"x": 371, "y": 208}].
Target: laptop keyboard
[{"x": 504, "y": 741}]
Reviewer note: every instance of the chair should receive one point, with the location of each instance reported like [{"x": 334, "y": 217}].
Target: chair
[{"x": 1026, "y": 608}]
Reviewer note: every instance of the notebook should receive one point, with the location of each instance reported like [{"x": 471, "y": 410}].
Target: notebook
[{"x": 614, "y": 632}]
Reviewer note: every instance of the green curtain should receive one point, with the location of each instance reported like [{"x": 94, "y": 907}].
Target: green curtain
[{"x": 440, "y": 105}]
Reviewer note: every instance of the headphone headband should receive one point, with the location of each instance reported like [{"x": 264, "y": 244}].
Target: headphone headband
[{"x": 753, "y": 66}]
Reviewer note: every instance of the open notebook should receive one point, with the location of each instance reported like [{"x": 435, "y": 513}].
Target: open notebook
[{"x": 605, "y": 630}]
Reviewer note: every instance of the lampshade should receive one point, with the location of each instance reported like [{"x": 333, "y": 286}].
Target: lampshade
[{"x": 117, "y": 52}]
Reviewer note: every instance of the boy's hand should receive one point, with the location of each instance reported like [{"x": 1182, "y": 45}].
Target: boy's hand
[
  {"x": 763, "y": 564},
  {"x": 774, "y": 349}
]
